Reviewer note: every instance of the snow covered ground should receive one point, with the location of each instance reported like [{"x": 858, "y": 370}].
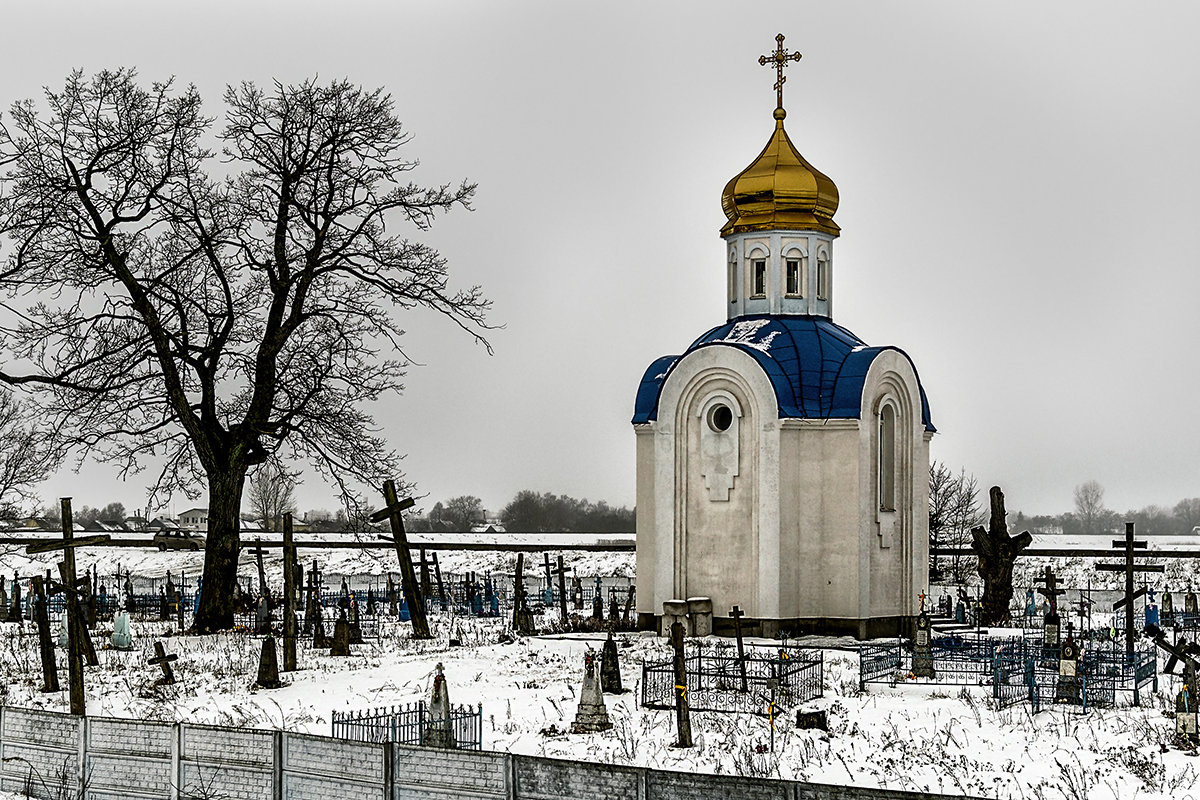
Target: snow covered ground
[{"x": 941, "y": 739}]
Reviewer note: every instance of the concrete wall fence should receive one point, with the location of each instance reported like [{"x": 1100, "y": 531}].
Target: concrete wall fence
[{"x": 53, "y": 755}]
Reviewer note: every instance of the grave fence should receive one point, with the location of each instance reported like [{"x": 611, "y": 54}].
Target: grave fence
[
  {"x": 407, "y": 724},
  {"x": 1019, "y": 670},
  {"x": 714, "y": 679}
]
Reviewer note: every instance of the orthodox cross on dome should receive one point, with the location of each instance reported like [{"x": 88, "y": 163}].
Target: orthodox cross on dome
[{"x": 779, "y": 58}]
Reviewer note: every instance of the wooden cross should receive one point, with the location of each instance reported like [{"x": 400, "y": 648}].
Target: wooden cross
[
  {"x": 263, "y": 591},
  {"x": 1181, "y": 651},
  {"x": 737, "y": 615},
  {"x": 289, "y": 595},
  {"x": 78, "y": 642},
  {"x": 779, "y": 60},
  {"x": 408, "y": 576},
  {"x": 549, "y": 573},
  {"x": 437, "y": 574},
  {"x": 45, "y": 641},
  {"x": 163, "y": 660},
  {"x": 1126, "y": 547},
  {"x": 683, "y": 721},
  {"x": 426, "y": 586},
  {"x": 519, "y": 594},
  {"x": 561, "y": 572},
  {"x": 1050, "y": 591}
]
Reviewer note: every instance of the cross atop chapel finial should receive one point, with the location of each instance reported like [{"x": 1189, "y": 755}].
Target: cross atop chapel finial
[{"x": 779, "y": 58}]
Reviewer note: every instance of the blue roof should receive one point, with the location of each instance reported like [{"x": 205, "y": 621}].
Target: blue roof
[{"x": 817, "y": 368}]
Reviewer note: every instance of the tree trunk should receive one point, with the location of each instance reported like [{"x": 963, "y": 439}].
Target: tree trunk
[
  {"x": 221, "y": 550},
  {"x": 997, "y": 551}
]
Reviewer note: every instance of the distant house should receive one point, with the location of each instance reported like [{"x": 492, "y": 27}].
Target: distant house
[
  {"x": 195, "y": 519},
  {"x": 489, "y": 528}
]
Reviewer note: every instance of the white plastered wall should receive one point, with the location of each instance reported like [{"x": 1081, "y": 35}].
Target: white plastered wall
[
  {"x": 894, "y": 545},
  {"x": 682, "y": 530}
]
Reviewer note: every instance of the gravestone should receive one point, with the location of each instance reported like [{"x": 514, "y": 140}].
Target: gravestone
[
  {"x": 1186, "y": 704},
  {"x": 122, "y": 638},
  {"x": 1168, "y": 610},
  {"x": 598, "y": 606},
  {"x": 625, "y": 613},
  {"x": 341, "y": 637},
  {"x": 391, "y": 590},
  {"x": 1189, "y": 608},
  {"x": 3, "y": 601},
  {"x": 674, "y": 611},
  {"x": 14, "y": 611},
  {"x": 356, "y": 636},
  {"x": 700, "y": 613},
  {"x": 614, "y": 610},
  {"x": 960, "y": 612},
  {"x": 268, "y": 665},
  {"x": 591, "y": 716},
  {"x": 1067, "y": 689},
  {"x": 164, "y": 661},
  {"x": 320, "y": 640},
  {"x": 610, "y": 667},
  {"x": 370, "y": 601},
  {"x": 439, "y": 731},
  {"x": 1030, "y": 604},
  {"x": 577, "y": 592},
  {"x": 922, "y": 662},
  {"x": 262, "y": 616},
  {"x": 1151, "y": 608}
]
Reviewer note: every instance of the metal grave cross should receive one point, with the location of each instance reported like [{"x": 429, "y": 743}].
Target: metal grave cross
[
  {"x": 1126, "y": 548},
  {"x": 1050, "y": 591},
  {"x": 78, "y": 642},
  {"x": 408, "y": 576},
  {"x": 737, "y": 614}
]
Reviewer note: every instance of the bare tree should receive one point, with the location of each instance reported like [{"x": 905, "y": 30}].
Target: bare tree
[
  {"x": 942, "y": 490},
  {"x": 213, "y": 323},
  {"x": 953, "y": 511},
  {"x": 27, "y": 457},
  {"x": 272, "y": 493},
  {"x": 1187, "y": 512},
  {"x": 1089, "y": 506}
]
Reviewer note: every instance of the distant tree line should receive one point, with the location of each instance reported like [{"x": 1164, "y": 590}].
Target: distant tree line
[
  {"x": 527, "y": 512},
  {"x": 1092, "y": 516}
]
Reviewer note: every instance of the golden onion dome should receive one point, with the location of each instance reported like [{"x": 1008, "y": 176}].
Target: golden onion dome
[{"x": 780, "y": 190}]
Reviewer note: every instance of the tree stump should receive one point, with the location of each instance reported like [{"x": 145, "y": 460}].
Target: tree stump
[{"x": 997, "y": 552}]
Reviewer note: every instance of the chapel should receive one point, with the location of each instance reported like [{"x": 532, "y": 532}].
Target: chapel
[{"x": 782, "y": 462}]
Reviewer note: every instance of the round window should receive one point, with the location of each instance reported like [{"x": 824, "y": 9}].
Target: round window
[{"x": 720, "y": 417}]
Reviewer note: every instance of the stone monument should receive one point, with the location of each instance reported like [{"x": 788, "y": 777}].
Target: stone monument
[{"x": 592, "y": 716}]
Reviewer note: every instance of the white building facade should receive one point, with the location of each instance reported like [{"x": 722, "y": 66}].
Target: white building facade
[{"x": 782, "y": 463}]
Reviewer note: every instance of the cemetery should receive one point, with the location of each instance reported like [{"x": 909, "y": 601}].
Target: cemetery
[{"x": 769, "y": 631}]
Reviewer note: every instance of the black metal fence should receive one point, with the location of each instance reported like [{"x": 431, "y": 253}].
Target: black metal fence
[
  {"x": 779, "y": 675},
  {"x": 407, "y": 724},
  {"x": 957, "y": 660}
]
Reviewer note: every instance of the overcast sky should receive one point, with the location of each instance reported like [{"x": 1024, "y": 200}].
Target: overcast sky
[{"x": 1019, "y": 182}]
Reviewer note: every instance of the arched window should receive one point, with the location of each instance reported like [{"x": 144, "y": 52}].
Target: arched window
[
  {"x": 758, "y": 277},
  {"x": 733, "y": 277},
  {"x": 822, "y": 276},
  {"x": 793, "y": 285},
  {"x": 887, "y": 457}
]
